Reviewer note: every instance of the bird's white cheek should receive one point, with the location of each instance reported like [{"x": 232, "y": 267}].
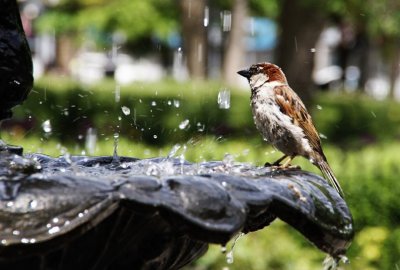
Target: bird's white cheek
[{"x": 258, "y": 80}]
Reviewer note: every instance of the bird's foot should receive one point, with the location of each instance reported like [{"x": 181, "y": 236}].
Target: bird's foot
[
  {"x": 289, "y": 167},
  {"x": 277, "y": 166}
]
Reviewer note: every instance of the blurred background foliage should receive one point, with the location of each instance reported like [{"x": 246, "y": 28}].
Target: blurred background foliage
[{"x": 177, "y": 85}]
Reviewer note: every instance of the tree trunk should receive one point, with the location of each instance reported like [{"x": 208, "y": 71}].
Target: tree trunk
[
  {"x": 394, "y": 71},
  {"x": 194, "y": 37},
  {"x": 301, "y": 26},
  {"x": 235, "y": 47}
]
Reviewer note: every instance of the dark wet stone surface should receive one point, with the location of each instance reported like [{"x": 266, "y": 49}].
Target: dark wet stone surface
[
  {"x": 96, "y": 213},
  {"x": 15, "y": 59}
]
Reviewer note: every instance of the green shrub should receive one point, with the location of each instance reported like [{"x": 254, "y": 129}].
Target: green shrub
[{"x": 158, "y": 109}]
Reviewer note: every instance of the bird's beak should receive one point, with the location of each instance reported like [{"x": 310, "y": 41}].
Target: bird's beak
[{"x": 245, "y": 73}]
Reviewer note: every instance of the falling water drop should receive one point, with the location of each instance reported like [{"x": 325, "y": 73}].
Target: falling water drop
[
  {"x": 126, "y": 110},
  {"x": 117, "y": 93},
  {"x": 226, "y": 18},
  {"x": 223, "y": 249},
  {"x": 206, "y": 19},
  {"x": 46, "y": 126},
  {"x": 229, "y": 255},
  {"x": 224, "y": 99},
  {"x": 91, "y": 140},
  {"x": 200, "y": 127},
  {"x": 184, "y": 124}
]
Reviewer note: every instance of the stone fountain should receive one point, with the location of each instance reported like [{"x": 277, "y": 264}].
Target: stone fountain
[{"x": 79, "y": 212}]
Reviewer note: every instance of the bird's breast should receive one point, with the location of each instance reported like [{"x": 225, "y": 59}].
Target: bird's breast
[{"x": 277, "y": 127}]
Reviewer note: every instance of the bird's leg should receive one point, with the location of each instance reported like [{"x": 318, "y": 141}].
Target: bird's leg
[
  {"x": 276, "y": 163},
  {"x": 287, "y": 165}
]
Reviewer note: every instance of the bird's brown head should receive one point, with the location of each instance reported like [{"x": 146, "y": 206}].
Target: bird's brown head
[{"x": 261, "y": 73}]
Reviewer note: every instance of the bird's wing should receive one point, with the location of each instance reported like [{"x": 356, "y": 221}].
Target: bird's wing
[{"x": 291, "y": 105}]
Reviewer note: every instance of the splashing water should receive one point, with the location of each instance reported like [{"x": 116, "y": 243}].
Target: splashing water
[
  {"x": 115, "y": 155},
  {"x": 224, "y": 99},
  {"x": 126, "y": 110},
  {"x": 229, "y": 255},
  {"x": 46, "y": 125},
  {"x": 174, "y": 150},
  {"x": 331, "y": 263}
]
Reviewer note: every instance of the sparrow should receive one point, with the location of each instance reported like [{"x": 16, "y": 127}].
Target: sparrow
[{"x": 283, "y": 120}]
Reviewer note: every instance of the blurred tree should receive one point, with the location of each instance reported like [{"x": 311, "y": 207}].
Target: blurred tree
[
  {"x": 194, "y": 35},
  {"x": 235, "y": 47},
  {"x": 135, "y": 19}
]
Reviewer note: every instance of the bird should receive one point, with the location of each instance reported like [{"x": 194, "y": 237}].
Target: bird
[{"x": 283, "y": 120}]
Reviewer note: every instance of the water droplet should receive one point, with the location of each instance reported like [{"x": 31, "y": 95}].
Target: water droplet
[
  {"x": 313, "y": 50},
  {"x": 223, "y": 249},
  {"x": 9, "y": 204},
  {"x": 117, "y": 93},
  {"x": 169, "y": 102},
  {"x": 46, "y": 125},
  {"x": 344, "y": 259},
  {"x": 80, "y": 215},
  {"x": 126, "y": 110},
  {"x": 373, "y": 114},
  {"x": 54, "y": 230},
  {"x": 16, "y": 232},
  {"x": 200, "y": 127},
  {"x": 323, "y": 136},
  {"x": 55, "y": 220},
  {"x": 176, "y": 103},
  {"x": 91, "y": 140},
  {"x": 155, "y": 136},
  {"x": 24, "y": 240},
  {"x": 153, "y": 103},
  {"x": 184, "y": 124},
  {"x": 224, "y": 99},
  {"x": 206, "y": 18},
  {"x": 319, "y": 107},
  {"x": 33, "y": 204},
  {"x": 229, "y": 257},
  {"x": 4, "y": 242},
  {"x": 226, "y": 18}
]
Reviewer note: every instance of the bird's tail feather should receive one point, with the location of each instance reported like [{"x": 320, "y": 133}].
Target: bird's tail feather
[{"x": 328, "y": 174}]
